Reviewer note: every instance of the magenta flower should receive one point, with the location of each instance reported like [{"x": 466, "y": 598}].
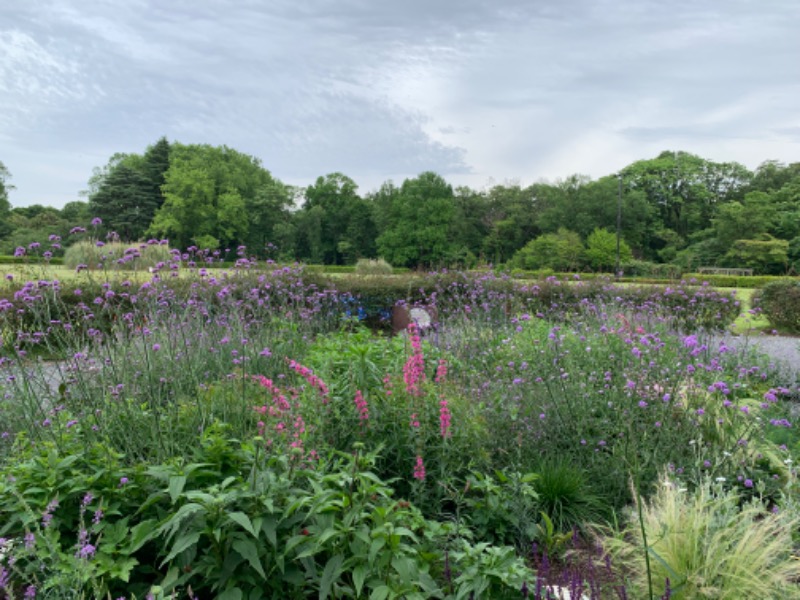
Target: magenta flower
[
  {"x": 414, "y": 369},
  {"x": 361, "y": 407},
  {"x": 444, "y": 418},
  {"x": 419, "y": 469}
]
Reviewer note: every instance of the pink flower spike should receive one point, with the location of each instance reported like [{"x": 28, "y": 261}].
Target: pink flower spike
[{"x": 419, "y": 469}]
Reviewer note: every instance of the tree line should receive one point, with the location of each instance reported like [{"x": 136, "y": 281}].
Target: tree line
[{"x": 676, "y": 208}]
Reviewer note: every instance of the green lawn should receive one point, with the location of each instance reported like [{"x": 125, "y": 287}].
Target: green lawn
[{"x": 747, "y": 323}]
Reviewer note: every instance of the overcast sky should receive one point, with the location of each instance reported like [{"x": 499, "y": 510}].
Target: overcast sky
[{"x": 480, "y": 91}]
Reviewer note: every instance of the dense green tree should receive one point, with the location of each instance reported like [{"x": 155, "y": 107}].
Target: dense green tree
[
  {"x": 470, "y": 222},
  {"x": 685, "y": 189},
  {"x": 764, "y": 255},
  {"x": 5, "y": 187},
  {"x": 419, "y": 218},
  {"x": 207, "y": 191},
  {"x": 123, "y": 202},
  {"x": 76, "y": 213},
  {"x": 335, "y": 224},
  {"x": 601, "y": 250},
  {"x": 566, "y": 204},
  {"x": 269, "y": 221},
  {"x": 772, "y": 175},
  {"x": 127, "y": 192},
  {"x": 5, "y": 204},
  {"x": 743, "y": 220},
  {"x": 29, "y": 224},
  {"x": 510, "y": 219}
]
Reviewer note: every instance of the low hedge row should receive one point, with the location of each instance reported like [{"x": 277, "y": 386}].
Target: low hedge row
[{"x": 34, "y": 260}]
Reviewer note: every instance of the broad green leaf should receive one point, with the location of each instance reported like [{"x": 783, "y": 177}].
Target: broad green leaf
[
  {"x": 376, "y": 546},
  {"x": 176, "y": 485},
  {"x": 247, "y": 550},
  {"x": 269, "y": 527},
  {"x": 122, "y": 568},
  {"x": 359, "y": 576},
  {"x": 231, "y": 594},
  {"x": 243, "y": 520},
  {"x": 141, "y": 534},
  {"x": 331, "y": 573},
  {"x": 380, "y": 593},
  {"x": 182, "y": 543},
  {"x": 406, "y": 568}
]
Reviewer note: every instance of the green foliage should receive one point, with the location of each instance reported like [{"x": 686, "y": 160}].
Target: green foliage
[
  {"x": 780, "y": 303},
  {"x": 5, "y": 205},
  {"x": 420, "y": 214},
  {"x": 212, "y": 195},
  {"x": 748, "y": 220},
  {"x": 335, "y": 225},
  {"x": 125, "y": 200},
  {"x": 562, "y": 251},
  {"x": 683, "y": 188},
  {"x": 500, "y": 508},
  {"x": 766, "y": 255},
  {"x": 248, "y": 472},
  {"x": 601, "y": 250},
  {"x": 708, "y": 546},
  {"x": 269, "y": 528}
]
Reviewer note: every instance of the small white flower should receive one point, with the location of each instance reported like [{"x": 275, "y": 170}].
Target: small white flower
[{"x": 720, "y": 480}]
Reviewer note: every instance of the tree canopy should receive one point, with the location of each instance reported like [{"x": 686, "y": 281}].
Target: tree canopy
[{"x": 677, "y": 208}]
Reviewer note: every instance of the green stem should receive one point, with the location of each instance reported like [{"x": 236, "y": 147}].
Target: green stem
[{"x": 644, "y": 541}]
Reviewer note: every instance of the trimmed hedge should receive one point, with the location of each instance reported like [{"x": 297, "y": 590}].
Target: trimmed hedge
[
  {"x": 746, "y": 281},
  {"x": 29, "y": 260}
]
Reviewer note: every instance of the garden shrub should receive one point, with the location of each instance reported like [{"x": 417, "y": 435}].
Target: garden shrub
[{"x": 779, "y": 302}]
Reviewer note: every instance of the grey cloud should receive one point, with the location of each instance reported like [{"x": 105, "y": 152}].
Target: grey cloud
[{"x": 373, "y": 87}]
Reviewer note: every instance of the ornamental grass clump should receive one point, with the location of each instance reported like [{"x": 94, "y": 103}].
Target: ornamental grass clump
[
  {"x": 707, "y": 545},
  {"x": 114, "y": 255}
]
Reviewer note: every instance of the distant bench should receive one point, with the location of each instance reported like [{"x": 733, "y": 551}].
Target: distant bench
[{"x": 724, "y": 271}]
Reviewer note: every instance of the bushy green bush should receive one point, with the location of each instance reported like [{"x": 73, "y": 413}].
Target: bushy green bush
[
  {"x": 779, "y": 301},
  {"x": 77, "y": 522}
]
